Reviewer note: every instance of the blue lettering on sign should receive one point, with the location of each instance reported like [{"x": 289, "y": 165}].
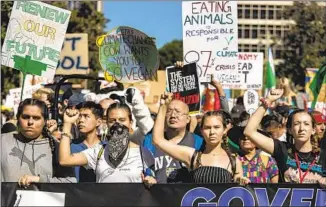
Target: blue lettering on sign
[
  {"x": 236, "y": 192},
  {"x": 299, "y": 194},
  {"x": 279, "y": 198},
  {"x": 68, "y": 62},
  {"x": 198, "y": 193},
  {"x": 299, "y": 197}
]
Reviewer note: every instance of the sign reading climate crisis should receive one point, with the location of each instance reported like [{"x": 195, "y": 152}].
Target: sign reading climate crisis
[
  {"x": 128, "y": 55},
  {"x": 184, "y": 84},
  {"x": 34, "y": 37}
]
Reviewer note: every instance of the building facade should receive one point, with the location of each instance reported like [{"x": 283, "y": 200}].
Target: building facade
[
  {"x": 76, "y": 4},
  {"x": 261, "y": 25}
]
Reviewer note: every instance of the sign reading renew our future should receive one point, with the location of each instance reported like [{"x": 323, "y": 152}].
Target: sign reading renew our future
[
  {"x": 34, "y": 38},
  {"x": 210, "y": 37}
]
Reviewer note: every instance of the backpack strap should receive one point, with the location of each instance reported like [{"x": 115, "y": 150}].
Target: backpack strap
[{"x": 100, "y": 153}]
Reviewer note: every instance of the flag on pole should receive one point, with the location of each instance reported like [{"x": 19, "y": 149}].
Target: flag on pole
[
  {"x": 271, "y": 78},
  {"x": 318, "y": 86}
]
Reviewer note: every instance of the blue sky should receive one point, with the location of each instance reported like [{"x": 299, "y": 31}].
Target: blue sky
[{"x": 159, "y": 19}]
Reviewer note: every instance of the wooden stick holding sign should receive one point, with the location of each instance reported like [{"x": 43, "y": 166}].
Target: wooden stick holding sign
[{"x": 183, "y": 82}]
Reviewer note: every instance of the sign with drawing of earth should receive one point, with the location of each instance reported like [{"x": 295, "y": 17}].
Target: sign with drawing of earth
[{"x": 128, "y": 55}]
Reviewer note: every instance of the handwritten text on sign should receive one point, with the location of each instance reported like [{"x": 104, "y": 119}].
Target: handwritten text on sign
[
  {"x": 35, "y": 34},
  {"x": 247, "y": 75},
  {"x": 210, "y": 35},
  {"x": 74, "y": 55},
  {"x": 128, "y": 55}
]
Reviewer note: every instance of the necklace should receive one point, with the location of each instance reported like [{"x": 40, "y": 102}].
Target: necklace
[{"x": 304, "y": 158}]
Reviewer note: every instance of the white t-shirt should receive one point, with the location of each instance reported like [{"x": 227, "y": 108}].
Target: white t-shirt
[{"x": 128, "y": 171}]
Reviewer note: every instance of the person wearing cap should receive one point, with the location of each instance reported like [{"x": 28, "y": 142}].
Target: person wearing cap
[
  {"x": 10, "y": 124},
  {"x": 236, "y": 113},
  {"x": 258, "y": 167},
  {"x": 320, "y": 124}
]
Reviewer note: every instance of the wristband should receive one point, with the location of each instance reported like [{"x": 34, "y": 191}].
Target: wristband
[
  {"x": 264, "y": 102},
  {"x": 66, "y": 135}
]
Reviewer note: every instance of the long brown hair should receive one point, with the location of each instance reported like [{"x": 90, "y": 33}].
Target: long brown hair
[{"x": 224, "y": 144}]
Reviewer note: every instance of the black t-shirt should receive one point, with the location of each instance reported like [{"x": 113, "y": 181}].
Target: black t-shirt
[
  {"x": 8, "y": 127},
  {"x": 323, "y": 155},
  {"x": 287, "y": 164}
]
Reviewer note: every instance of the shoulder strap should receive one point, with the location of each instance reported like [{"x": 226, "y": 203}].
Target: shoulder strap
[
  {"x": 193, "y": 159},
  {"x": 100, "y": 153}
]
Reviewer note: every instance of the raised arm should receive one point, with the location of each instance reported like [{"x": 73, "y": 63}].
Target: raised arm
[
  {"x": 181, "y": 153},
  {"x": 223, "y": 101},
  {"x": 260, "y": 140},
  {"x": 65, "y": 156}
]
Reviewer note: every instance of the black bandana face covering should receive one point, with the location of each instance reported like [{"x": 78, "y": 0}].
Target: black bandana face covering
[{"x": 118, "y": 140}]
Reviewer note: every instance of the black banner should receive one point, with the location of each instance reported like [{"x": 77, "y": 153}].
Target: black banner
[
  {"x": 93, "y": 194},
  {"x": 184, "y": 84}
]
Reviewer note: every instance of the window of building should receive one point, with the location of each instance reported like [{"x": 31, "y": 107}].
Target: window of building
[
  {"x": 263, "y": 14},
  {"x": 255, "y": 14},
  {"x": 270, "y": 14},
  {"x": 240, "y": 13},
  {"x": 278, "y": 14},
  {"x": 246, "y": 33},
  {"x": 254, "y": 34},
  {"x": 239, "y": 33},
  {"x": 247, "y": 13}
]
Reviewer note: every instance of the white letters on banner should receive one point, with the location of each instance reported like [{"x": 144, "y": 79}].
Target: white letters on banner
[{"x": 39, "y": 198}]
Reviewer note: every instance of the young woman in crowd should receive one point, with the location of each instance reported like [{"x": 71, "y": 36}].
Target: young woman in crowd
[
  {"x": 213, "y": 163},
  {"x": 119, "y": 160},
  {"x": 299, "y": 162},
  {"x": 29, "y": 155}
]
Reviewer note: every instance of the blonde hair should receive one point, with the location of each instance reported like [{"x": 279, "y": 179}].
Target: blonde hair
[{"x": 48, "y": 91}]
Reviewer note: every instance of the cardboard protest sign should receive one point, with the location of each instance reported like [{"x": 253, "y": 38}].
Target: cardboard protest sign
[
  {"x": 128, "y": 55},
  {"x": 250, "y": 70},
  {"x": 251, "y": 101},
  {"x": 210, "y": 38},
  {"x": 184, "y": 84},
  {"x": 74, "y": 55},
  {"x": 34, "y": 38}
]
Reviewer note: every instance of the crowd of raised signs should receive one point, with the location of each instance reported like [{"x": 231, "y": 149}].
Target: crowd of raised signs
[{"x": 113, "y": 137}]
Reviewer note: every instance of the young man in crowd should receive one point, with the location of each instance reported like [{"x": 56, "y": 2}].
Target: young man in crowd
[{"x": 90, "y": 118}]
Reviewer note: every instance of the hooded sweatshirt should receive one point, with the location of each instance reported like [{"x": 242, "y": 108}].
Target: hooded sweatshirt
[{"x": 30, "y": 157}]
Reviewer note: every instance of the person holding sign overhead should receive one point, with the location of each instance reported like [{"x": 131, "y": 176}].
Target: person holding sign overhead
[{"x": 299, "y": 162}]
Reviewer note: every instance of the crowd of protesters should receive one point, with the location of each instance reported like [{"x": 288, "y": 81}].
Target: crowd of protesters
[{"x": 112, "y": 136}]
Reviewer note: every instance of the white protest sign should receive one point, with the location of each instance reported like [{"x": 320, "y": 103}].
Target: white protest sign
[
  {"x": 251, "y": 101},
  {"x": 210, "y": 38},
  {"x": 39, "y": 198},
  {"x": 250, "y": 70},
  {"x": 34, "y": 37}
]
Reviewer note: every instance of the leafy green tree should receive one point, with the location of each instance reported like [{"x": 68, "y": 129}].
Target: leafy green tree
[
  {"x": 305, "y": 43},
  {"x": 170, "y": 53}
]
